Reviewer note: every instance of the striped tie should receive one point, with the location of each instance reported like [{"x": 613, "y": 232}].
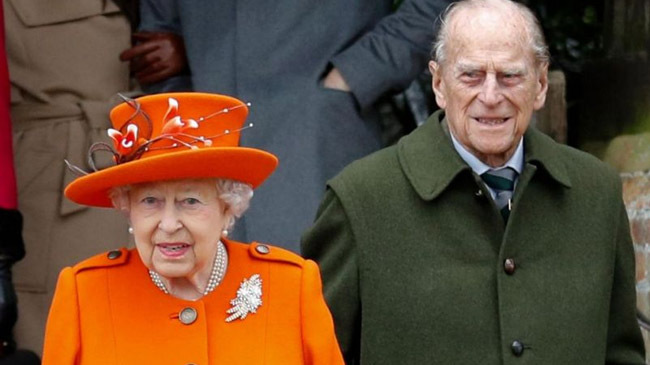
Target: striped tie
[{"x": 502, "y": 182}]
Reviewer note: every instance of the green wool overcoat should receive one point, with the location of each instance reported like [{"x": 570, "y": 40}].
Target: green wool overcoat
[{"x": 419, "y": 267}]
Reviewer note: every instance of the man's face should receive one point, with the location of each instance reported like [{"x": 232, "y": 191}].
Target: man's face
[{"x": 489, "y": 84}]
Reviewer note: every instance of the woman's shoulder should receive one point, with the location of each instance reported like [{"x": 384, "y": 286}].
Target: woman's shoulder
[
  {"x": 113, "y": 258},
  {"x": 257, "y": 251}
]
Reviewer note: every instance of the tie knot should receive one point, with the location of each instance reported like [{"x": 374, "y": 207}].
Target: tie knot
[{"x": 502, "y": 179}]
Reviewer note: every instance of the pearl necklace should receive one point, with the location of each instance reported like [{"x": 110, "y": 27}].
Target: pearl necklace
[{"x": 216, "y": 275}]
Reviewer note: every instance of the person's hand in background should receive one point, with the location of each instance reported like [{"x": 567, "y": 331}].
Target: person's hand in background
[{"x": 156, "y": 56}]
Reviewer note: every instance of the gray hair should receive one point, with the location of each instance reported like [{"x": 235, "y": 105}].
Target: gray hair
[
  {"x": 236, "y": 195},
  {"x": 534, "y": 33}
]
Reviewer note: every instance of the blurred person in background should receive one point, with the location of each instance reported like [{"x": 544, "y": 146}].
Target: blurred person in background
[
  {"x": 11, "y": 243},
  {"x": 315, "y": 73},
  {"x": 64, "y": 71}
]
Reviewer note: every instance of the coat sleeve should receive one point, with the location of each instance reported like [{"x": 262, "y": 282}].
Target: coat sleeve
[
  {"x": 330, "y": 243},
  {"x": 391, "y": 54},
  {"x": 319, "y": 340},
  {"x": 62, "y": 336},
  {"x": 624, "y": 341},
  {"x": 159, "y": 15},
  {"x": 163, "y": 16}
]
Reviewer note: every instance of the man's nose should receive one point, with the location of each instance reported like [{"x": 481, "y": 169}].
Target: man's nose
[
  {"x": 491, "y": 91},
  {"x": 170, "y": 221}
]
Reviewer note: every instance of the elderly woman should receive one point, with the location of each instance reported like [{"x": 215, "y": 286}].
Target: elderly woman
[{"x": 186, "y": 294}]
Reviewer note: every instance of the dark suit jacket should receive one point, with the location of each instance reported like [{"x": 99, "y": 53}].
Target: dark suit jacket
[
  {"x": 412, "y": 254},
  {"x": 274, "y": 54}
]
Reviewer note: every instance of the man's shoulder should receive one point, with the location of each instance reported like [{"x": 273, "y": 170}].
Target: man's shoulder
[
  {"x": 581, "y": 167},
  {"x": 422, "y": 162},
  {"x": 376, "y": 174},
  {"x": 388, "y": 161},
  {"x": 582, "y": 162},
  {"x": 375, "y": 165}
]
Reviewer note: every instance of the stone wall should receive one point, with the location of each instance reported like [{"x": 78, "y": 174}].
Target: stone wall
[{"x": 636, "y": 195}]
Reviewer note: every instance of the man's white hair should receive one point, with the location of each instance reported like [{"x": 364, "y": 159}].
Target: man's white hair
[{"x": 534, "y": 33}]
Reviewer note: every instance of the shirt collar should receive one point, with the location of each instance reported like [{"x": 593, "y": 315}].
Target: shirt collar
[{"x": 515, "y": 162}]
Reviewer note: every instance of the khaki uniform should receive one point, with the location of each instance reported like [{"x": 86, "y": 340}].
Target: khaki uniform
[{"x": 64, "y": 71}]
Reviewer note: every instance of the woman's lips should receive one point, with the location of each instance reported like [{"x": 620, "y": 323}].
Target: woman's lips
[{"x": 173, "y": 249}]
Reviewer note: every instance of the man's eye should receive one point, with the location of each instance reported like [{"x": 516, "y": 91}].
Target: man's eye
[
  {"x": 510, "y": 77},
  {"x": 472, "y": 77}
]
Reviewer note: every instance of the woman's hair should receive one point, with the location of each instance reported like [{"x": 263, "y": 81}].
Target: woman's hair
[{"x": 236, "y": 195}]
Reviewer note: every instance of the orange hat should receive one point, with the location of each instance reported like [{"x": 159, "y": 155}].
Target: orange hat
[{"x": 174, "y": 136}]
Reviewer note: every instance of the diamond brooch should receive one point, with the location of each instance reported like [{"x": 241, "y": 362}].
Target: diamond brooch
[{"x": 249, "y": 298}]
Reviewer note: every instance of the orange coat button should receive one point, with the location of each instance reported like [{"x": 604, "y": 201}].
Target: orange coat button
[
  {"x": 263, "y": 249},
  {"x": 115, "y": 254},
  {"x": 187, "y": 315}
]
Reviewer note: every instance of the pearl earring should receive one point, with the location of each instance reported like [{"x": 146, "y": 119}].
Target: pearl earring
[
  {"x": 130, "y": 230},
  {"x": 224, "y": 232}
]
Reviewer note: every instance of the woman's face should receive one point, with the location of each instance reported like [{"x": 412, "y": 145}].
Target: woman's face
[{"x": 176, "y": 225}]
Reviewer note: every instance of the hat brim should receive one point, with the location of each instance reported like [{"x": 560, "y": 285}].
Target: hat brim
[{"x": 243, "y": 164}]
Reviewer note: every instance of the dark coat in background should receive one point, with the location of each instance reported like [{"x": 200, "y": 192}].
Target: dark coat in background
[
  {"x": 412, "y": 252},
  {"x": 274, "y": 54}
]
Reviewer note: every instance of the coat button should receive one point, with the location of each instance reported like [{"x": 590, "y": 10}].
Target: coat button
[
  {"x": 112, "y": 255},
  {"x": 263, "y": 249},
  {"x": 509, "y": 266},
  {"x": 187, "y": 315},
  {"x": 517, "y": 348}
]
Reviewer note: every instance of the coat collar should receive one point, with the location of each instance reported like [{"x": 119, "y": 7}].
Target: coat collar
[
  {"x": 542, "y": 151},
  {"x": 431, "y": 163}
]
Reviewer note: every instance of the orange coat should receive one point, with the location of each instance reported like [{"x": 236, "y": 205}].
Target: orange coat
[{"x": 106, "y": 310}]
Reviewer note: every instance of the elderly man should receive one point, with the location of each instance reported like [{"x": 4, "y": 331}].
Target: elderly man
[{"x": 476, "y": 239}]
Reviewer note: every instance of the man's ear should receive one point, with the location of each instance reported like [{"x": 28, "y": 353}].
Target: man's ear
[
  {"x": 437, "y": 84},
  {"x": 542, "y": 86}
]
